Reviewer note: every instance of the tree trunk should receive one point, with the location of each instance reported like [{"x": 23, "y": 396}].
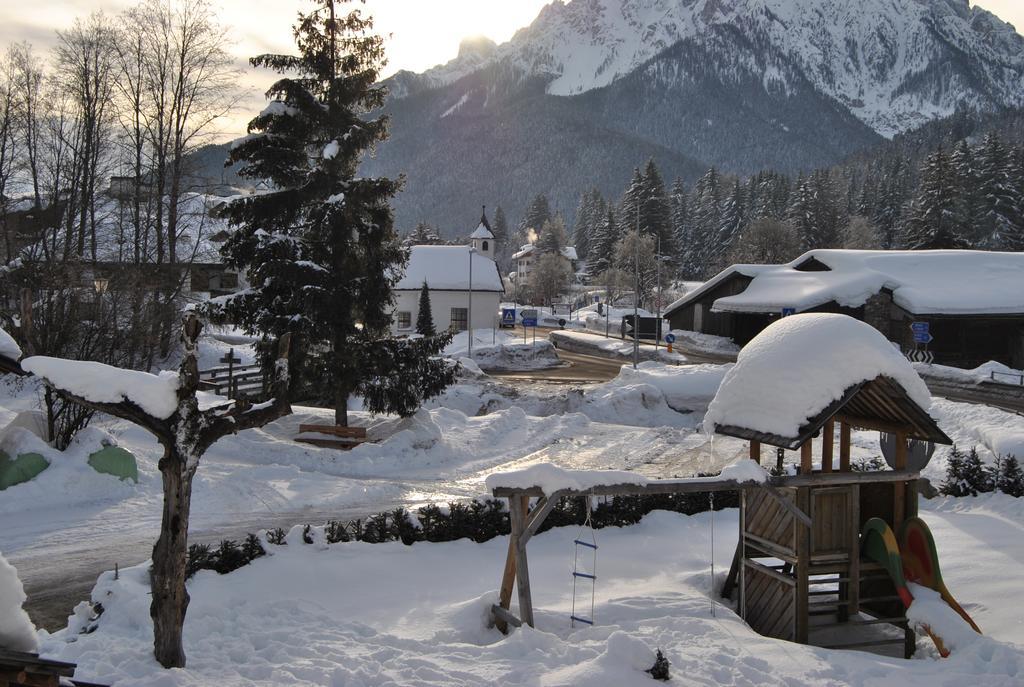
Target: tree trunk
[
  {"x": 170, "y": 598},
  {"x": 341, "y": 407}
]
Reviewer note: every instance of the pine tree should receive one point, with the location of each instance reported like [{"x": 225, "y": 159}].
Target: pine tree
[
  {"x": 733, "y": 221},
  {"x": 1013, "y": 239},
  {"x": 965, "y": 169},
  {"x": 589, "y": 215},
  {"x": 552, "y": 237},
  {"x": 629, "y": 207},
  {"x": 937, "y": 212},
  {"x": 655, "y": 210},
  {"x": 423, "y": 235},
  {"x": 680, "y": 206},
  {"x": 1009, "y": 478},
  {"x": 966, "y": 475},
  {"x": 998, "y": 199},
  {"x": 425, "y": 317},
  {"x": 320, "y": 248},
  {"x": 602, "y": 250},
  {"x": 705, "y": 219},
  {"x": 537, "y": 214},
  {"x": 504, "y": 244}
]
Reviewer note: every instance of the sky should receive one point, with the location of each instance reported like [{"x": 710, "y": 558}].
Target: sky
[{"x": 420, "y": 34}]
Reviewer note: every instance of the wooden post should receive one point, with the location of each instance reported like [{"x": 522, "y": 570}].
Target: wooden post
[
  {"x": 853, "y": 587},
  {"x": 803, "y": 558},
  {"x": 844, "y": 447},
  {"x": 899, "y": 488},
  {"x": 827, "y": 436},
  {"x": 522, "y": 569},
  {"x": 805, "y": 458},
  {"x": 755, "y": 451},
  {"x": 508, "y": 578}
]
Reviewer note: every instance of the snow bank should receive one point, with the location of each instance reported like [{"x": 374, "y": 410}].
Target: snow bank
[
  {"x": 17, "y": 633},
  {"x": 705, "y": 343},
  {"x": 929, "y": 610},
  {"x": 551, "y": 478},
  {"x": 155, "y": 394},
  {"x": 798, "y": 365},
  {"x": 685, "y": 387},
  {"x": 9, "y": 348},
  {"x": 517, "y": 356}
]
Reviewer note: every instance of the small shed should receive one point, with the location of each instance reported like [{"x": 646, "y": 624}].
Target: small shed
[{"x": 798, "y": 566}]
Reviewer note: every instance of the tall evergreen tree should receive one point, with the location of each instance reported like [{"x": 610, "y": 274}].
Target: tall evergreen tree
[
  {"x": 537, "y": 214},
  {"x": 320, "y": 248},
  {"x": 999, "y": 200},
  {"x": 733, "y": 222},
  {"x": 937, "y": 213},
  {"x": 423, "y": 235},
  {"x": 630, "y": 206},
  {"x": 589, "y": 215},
  {"x": 655, "y": 210},
  {"x": 505, "y": 244},
  {"x": 680, "y": 207},
  {"x": 706, "y": 218},
  {"x": 552, "y": 238},
  {"x": 602, "y": 249},
  {"x": 425, "y": 317},
  {"x": 965, "y": 168}
]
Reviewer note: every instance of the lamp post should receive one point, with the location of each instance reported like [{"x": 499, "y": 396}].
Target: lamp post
[
  {"x": 469, "y": 310},
  {"x": 636, "y": 291}
]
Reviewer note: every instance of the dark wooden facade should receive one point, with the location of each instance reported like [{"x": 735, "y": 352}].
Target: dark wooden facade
[{"x": 961, "y": 340}]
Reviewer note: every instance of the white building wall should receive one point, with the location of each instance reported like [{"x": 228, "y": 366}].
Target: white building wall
[{"x": 485, "y": 311}]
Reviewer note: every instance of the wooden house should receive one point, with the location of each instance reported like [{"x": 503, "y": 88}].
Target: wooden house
[{"x": 972, "y": 301}]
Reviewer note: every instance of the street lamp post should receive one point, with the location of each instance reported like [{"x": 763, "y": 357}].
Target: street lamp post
[{"x": 469, "y": 310}]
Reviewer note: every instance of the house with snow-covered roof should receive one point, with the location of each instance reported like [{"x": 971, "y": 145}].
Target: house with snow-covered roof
[
  {"x": 972, "y": 301},
  {"x": 464, "y": 281},
  {"x": 525, "y": 260}
]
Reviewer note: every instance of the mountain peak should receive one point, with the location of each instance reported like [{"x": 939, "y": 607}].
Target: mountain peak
[{"x": 479, "y": 47}]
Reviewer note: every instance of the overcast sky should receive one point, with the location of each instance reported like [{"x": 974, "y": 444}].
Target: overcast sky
[{"x": 422, "y": 33}]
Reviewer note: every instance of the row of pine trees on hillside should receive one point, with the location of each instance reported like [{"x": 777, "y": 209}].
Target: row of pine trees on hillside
[{"x": 967, "y": 196}]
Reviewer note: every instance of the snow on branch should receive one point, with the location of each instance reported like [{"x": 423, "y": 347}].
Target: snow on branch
[{"x": 156, "y": 394}]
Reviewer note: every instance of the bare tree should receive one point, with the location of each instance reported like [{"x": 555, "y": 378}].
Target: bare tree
[
  {"x": 859, "y": 233},
  {"x": 28, "y": 83},
  {"x": 8, "y": 146},
  {"x": 550, "y": 278},
  {"x": 766, "y": 241},
  {"x": 85, "y": 57},
  {"x": 185, "y": 435}
]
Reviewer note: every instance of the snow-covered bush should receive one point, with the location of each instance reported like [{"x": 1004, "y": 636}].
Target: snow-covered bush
[{"x": 966, "y": 475}]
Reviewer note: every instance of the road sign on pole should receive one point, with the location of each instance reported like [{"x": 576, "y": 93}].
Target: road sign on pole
[
  {"x": 919, "y": 327},
  {"x": 786, "y": 312},
  {"x": 508, "y": 317},
  {"x": 923, "y": 337}
]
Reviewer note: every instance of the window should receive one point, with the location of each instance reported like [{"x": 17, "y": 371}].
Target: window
[
  {"x": 485, "y": 246},
  {"x": 460, "y": 319},
  {"x": 404, "y": 319}
]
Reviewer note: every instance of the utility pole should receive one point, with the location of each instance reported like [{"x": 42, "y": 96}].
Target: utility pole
[
  {"x": 657, "y": 304},
  {"x": 636, "y": 291}
]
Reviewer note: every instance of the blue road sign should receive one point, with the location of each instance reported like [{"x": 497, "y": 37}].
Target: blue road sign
[
  {"x": 597, "y": 299},
  {"x": 923, "y": 337},
  {"x": 919, "y": 327},
  {"x": 670, "y": 338},
  {"x": 529, "y": 321},
  {"x": 786, "y": 312},
  {"x": 508, "y": 316}
]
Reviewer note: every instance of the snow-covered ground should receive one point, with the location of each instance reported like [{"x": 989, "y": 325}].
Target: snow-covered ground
[
  {"x": 504, "y": 350},
  {"x": 388, "y": 614}
]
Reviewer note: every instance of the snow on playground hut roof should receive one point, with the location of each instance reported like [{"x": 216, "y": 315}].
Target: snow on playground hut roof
[
  {"x": 802, "y": 370},
  {"x": 948, "y": 282},
  {"x": 8, "y": 346},
  {"x": 447, "y": 268}
]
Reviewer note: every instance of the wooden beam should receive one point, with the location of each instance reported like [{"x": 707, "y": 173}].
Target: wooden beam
[
  {"x": 755, "y": 451},
  {"x": 770, "y": 572},
  {"x": 537, "y": 516},
  {"x": 871, "y": 423},
  {"x": 505, "y": 618},
  {"x": 827, "y": 442},
  {"x": 899, "y": 490},
  {"x": 844, "y": 447},
  {"x": 853, "y": 594},
  {"x": 806, "y": 466},
  {"x": 788, "y": 505},
  {"x": 522, "y": 567}
]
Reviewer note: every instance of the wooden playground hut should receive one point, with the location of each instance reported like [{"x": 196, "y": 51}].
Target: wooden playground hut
[{"x": 798, "y": 567}]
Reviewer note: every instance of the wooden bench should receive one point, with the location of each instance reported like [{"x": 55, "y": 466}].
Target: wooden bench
[{"x": 343, "y": 438}]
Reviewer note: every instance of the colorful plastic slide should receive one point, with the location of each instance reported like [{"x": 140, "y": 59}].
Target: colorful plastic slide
[{"x": 910, "y": 559}]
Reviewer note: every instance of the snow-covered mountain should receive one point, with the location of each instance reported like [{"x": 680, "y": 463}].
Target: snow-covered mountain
[
  {"x": 741, "y": 84},
  {"x": 894, "y": 63}
]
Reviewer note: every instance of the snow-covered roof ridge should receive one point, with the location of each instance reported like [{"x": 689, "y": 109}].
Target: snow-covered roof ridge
[
  {"x": 798, "y": 366},
  {"x": 447, "y": 268},
  {"x": 481, "y": 232},
  {"x": 569, "y": 252},
  {"x": 922, "y": 282}
]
